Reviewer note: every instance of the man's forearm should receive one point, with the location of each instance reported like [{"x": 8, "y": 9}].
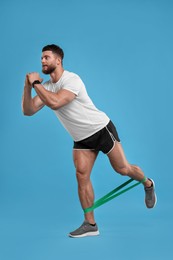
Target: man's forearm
[
  {"x": 27, "y": 103},
  {"x": 49, "y": 98}
]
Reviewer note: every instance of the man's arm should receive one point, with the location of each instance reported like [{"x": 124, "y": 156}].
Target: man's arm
[
  {"x": 30, "y": 105},
  {"x": 54, "y": 100},
  {"x": 51, "y": 99}
]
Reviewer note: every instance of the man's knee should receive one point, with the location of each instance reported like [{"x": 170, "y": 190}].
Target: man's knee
[
  {"x": 81, "y": 169},
  {"x": 82, "y": 174}
]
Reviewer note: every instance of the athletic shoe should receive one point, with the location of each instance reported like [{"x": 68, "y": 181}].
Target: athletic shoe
[
  {"x": 150, "y": 196},
  {"x": 86, "y": 229}
]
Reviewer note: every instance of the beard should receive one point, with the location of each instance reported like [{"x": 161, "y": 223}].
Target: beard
[{"x": 48, "y": 69}]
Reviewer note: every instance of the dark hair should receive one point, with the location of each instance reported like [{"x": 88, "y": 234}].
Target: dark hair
[{"x": 55, "y": 49}]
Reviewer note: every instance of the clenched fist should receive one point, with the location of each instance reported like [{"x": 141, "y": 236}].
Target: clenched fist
[{"x": 31, "y": 77}]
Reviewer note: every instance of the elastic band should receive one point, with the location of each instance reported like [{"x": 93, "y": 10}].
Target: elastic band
[
  {"x": 144, "y": 179},
  {"x": 113, "y": 194}
]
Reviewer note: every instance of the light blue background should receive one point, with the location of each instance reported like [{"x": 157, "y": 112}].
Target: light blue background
[{"x": 123, "y": 51}]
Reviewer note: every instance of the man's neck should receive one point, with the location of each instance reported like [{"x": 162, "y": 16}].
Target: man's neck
[{"x": 56, "y": 75}]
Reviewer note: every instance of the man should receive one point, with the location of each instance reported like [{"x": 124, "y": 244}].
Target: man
[{"x": 91, "y": 129}]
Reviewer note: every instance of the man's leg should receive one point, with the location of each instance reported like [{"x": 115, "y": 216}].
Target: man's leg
[
  {"x": 84, "y": 161},
  {"x": 121, "y": 165}
]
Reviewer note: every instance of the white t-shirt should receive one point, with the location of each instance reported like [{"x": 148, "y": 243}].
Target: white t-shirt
[{"x": 80, "y": 117}]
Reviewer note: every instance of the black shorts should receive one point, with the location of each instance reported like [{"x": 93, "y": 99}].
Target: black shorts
[{"x": 104, "y": 140}]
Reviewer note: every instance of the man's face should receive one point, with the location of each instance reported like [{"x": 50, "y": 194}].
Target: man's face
[{"x": 49, "y": 62}]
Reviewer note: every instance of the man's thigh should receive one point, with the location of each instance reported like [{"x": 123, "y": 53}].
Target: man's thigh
[
  {"x": 84, "y": 160},
  {"x": 117, "y": 157}
]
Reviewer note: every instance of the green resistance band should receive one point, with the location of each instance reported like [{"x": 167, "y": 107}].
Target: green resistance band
[{"x": 113, "y": 194}]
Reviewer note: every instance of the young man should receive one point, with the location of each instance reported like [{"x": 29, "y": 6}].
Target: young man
[{"x": 90, "y": 128}]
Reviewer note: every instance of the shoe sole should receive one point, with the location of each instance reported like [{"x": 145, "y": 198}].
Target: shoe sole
[
  {"x": 95, "y": 233},
  {"x": 155, "y": 196}
]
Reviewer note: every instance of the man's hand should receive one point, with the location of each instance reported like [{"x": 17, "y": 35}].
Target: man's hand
[
  {"x": 27, "y": 83},
  {"x": 31, "y": 105},
  {"x": 32, "y": 77}
]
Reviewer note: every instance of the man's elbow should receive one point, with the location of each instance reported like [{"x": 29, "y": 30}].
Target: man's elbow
[
  {"x": 27, "y": 112},
  {"x": 53, "y": 105}
]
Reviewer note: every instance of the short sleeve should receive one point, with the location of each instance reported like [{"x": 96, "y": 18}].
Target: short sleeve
[
  {"x": 46, "y": 85},
  {"x": 73, "y": 84}
]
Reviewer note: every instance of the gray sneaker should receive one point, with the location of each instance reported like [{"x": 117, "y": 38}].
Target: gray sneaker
[
  {"x": 150, "y": 196},
  {"x": 85, "y": 230}
]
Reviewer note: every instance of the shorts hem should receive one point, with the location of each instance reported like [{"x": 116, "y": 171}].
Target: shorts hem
[
  {"x": 113, "y": 146},
  {"x": 84, "y": 149}
]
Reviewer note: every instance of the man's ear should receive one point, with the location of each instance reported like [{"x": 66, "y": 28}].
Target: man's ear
[{"x": 59, "y": 61}]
